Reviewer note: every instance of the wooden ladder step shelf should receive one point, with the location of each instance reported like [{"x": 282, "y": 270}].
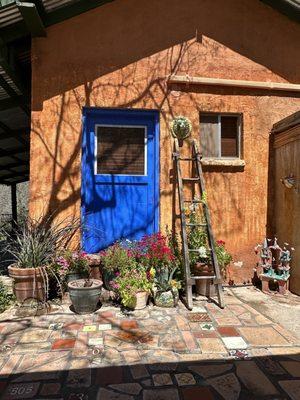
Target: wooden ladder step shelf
[{"x": 198, "y": 180}]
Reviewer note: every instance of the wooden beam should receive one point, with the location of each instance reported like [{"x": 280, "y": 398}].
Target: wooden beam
[
  {"x": 32, "y": 18},
  {"x": 11, "y": 102},
  {"x": 197, "y": 80},
  {"x": 14, "y": 207},
  {"x": 13, "y": 152},
  {"x": 14, "y": 133},
  {"x": 13, "y": 165},
  {"x": 14, "y": 175}
]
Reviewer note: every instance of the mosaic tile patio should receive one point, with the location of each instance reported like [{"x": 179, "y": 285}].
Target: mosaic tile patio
[{"x": 159, "y": 354}]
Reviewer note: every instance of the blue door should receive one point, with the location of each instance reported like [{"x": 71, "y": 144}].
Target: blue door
[{"x": 120, "y": 176}]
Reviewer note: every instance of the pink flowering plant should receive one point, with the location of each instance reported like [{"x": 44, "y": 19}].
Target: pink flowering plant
[{"x": 68, "y": 262}]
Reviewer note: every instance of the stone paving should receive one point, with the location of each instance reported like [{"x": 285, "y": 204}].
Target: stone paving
[{"x": 152, "y": 354}]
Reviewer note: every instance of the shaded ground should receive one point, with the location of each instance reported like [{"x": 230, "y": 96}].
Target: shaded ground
[{"x": 152, "y": 354}]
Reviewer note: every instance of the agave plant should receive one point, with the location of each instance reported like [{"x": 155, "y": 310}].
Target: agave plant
[{"x": 165, "y": 282}]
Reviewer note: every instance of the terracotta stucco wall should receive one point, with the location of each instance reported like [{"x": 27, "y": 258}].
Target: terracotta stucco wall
[{"x": 120, "y": 54}]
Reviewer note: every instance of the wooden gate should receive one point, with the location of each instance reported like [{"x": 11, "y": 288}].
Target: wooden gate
[{"x": 285, "y": 169}]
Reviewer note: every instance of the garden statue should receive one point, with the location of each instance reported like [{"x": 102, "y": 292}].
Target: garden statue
[{"x": 275, "y": 264}]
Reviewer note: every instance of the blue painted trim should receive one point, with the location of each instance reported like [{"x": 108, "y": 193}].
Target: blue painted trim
[{"x": 94, "y": 112}]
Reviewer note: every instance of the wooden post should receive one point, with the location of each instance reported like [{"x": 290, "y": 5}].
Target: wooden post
[{"x": 14, "y": 208}]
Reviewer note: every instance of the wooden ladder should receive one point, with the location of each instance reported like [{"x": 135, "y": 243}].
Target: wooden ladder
[{"x": 199, "y": 180}]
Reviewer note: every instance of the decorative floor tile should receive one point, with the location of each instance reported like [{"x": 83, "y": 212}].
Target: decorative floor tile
[
  {"x": 292, "y": 388},
  {"x": 139, "y": 371},
  {"x": 207, "y": 327},
  {"x": 162, "y": 379},
  {"x": 197, "y": 393},
  {"x": 18, "y": 391},
  {"x": 292, "y": 367},
  {"x": 198, "y": 317},
  {"x": 212, "y": 345},
  {"x": 89, "y": 328},
  {"x": 253, "y": 378},
  {"x": 227, "y": 331},
  {"x": 262, "y": 336},
  {"x": 205, "y": 334},
  {"x": 270, "y": 366},
  {"x": 56, "y": 326},
  {"x": 227, "y": 385},
  {"x": 104, "y": 327},
  {"x": 207, "y": 371},
  {"x": 95, "y": 342},
  {"x": 35, "y": 335},
  {"x": 185, "y": 379},
  {"x": 61, "y": 344},
  {"x": 104, "y": 394},
  {"x": 129, "y": 388},
  {"x": 234, "y": 342}
]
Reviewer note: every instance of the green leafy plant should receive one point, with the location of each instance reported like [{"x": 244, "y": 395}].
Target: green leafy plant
[
  {"x": 131, "y": 281},
  {"x": 117, "y": 258},
  {"x": 197, "y": 239},
  {"x": 223, "y": 256},
  {"x": 6, "y": 298}
]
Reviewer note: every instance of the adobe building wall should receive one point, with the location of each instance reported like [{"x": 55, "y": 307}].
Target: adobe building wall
[{"x": 120, "y": 55}]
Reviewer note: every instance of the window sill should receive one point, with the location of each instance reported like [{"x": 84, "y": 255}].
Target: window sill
[{"x": 223, "y": 162}]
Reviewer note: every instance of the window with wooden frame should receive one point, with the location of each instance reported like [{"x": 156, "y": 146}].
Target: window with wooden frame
[
  {"x": 121, "y": 150},
  {"x": 220, "y": 135}
]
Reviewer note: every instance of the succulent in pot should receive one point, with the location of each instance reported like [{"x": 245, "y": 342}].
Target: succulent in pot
[
  {"x": 165, "y": 292},
  {"x": 181, "y": 127},
  {"x": 33, "y": 246}
]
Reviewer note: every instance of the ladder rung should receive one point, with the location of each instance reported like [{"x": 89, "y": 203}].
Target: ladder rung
[
  {"x": 197, "y": 250},
  {"x": 191, "y": 179},
  {"x": 193, "y": 201},
  {"x": 189, "y": 224},
  {"x": 203, "y": 277},
  {"x": 187, "y": 159}
]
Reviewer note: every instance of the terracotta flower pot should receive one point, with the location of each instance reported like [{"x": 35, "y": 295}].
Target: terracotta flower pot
[
  {"x": 28, "y": 282},
  {"x": 140, "y": 301},
  {"x": 204, "y": 287}
]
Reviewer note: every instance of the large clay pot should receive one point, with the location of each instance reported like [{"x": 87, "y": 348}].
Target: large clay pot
[
  {"x": 85, "y": 299},
  {"x": 28, "y": 282},
  {"x": 203, "y": 269},
  {"x": 169, "y": 298}
]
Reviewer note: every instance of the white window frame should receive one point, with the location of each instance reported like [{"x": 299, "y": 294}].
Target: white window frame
[
  {"x": 239, "y": 133},
  {"x": 120, "y": 126}
]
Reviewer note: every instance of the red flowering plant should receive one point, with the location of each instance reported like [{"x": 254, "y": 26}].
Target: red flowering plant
[{"x": 153, "y": 252}]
